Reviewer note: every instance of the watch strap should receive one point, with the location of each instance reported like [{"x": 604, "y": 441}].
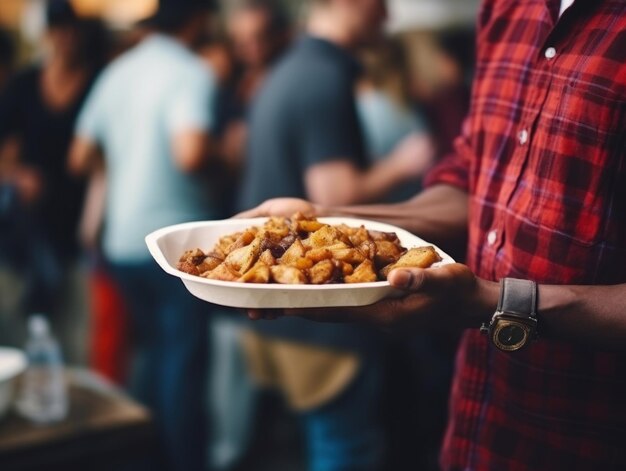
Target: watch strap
[{"x": 518, "y": 297}]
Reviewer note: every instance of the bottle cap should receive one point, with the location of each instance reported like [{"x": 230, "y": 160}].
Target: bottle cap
[{"x": 38, "y": 325}]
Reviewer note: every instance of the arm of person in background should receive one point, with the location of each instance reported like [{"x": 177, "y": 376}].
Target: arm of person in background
[
  {"x": 92, "y": 215},
  {"x": 85, "y": 154},
  {"x": 190, "y": 117},
  {"x": 340, "y": 182},
  {"x": 331, "y": 149}
]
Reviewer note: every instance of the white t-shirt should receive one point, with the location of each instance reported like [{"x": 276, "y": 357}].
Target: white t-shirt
[
  {"x": 565, "y": 4},
  {"x": 146, "y": 96}
]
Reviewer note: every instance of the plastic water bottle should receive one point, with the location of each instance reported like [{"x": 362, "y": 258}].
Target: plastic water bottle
[{"x": 43, "y": 397}]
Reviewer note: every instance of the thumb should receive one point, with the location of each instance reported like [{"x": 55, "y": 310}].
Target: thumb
[
  {"x": 429, "y": 279},
  {"x": 408, "y": 279}
]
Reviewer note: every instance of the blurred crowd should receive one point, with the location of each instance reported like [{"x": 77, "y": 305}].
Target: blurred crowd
[{"x": 199, "y": 112}]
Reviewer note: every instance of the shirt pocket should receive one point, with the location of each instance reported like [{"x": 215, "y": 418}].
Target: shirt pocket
[{"x": 575, "y": 161}]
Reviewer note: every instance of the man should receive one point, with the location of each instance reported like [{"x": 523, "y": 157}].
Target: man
[
  {"x": 258, "y": 34},
  {"x": 537, "y": 181},
  {"x": 150, "y": 116},
  {"x": 306, "y": 141},
  {"x": 7, "y": 58}
]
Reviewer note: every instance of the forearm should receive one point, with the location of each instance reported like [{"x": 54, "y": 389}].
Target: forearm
[
  {"x": 594, "y": 315},
  {"x": 375, "y": 183},
  {"x": 438, "y": 214},
  {"x": 590, "y": 315}
]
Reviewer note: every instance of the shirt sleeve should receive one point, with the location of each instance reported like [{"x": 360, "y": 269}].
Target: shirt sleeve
[
  {"x": 454, "y": 169},
  {"x": 329, "y": 128},
  {"x": 193, "y": 103}
]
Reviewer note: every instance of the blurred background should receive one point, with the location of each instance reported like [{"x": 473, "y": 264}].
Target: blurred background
[{"x": 66, "y": 195}]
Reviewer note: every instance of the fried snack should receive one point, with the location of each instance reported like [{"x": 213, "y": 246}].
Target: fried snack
[
  {"x": 259, "y": 273},
  {"x": 287, "y": 275},
  {"x": 304, "y": 251},
  {"x": 364, "y": 273},
  {"x": 421, "y": 257}
]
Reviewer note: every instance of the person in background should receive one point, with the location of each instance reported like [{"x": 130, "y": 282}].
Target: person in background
[
  {"x": 38, "y": 111},
  {"x": 149, "y": 119},
  {"x": 447, "y": 104},
  {"x": 258, "y": 31},
  {"x": 385, "y": 108},
  {"x": 306, "y": 140},
  {"x": 7, "y": 57}
]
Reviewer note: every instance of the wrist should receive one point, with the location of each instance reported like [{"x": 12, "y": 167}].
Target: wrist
[{"x": 483, "y": 301}]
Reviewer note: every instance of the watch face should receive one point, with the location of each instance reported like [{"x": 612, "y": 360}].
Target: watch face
[{"x": 510, "y": 335}]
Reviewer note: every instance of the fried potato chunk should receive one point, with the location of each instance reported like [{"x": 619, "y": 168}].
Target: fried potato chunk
[
  {"x": 307, "y": 226},
  {"x": 364, "y": 273},
  {"x": 267, "y": 258},
  {"x": 259, "y": 273},
  {"x": 326, "y": 236},
  {"x": 243, "y": 240},
  {"x": 242, "y": 259},
  {"x": 322, "y": 272},
  {"x": 223, "y": 273},
  {"x": 352, "y": 256},
  {"x": 286, "y": 275},
  {"x": 209, "y": 262},
  {"x": 319, "y": 254},
  {"x": 293, "y": 253},
  {"x": 421, "y": 257},
  {"x": 188, "y": 267},
  {"x": 386, "y": 252}
]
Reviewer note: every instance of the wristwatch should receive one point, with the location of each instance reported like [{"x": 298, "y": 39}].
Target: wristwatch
[{"x": 514, "y": 324}]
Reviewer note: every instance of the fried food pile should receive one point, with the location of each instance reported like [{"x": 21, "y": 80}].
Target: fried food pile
[{"x": 305, "y": 251}]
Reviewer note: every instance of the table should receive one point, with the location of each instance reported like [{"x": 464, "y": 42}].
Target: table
[{"x": 104, "y": 430}]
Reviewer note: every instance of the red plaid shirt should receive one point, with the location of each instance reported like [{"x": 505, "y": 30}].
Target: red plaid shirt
[{"x": 542, "y": 156}]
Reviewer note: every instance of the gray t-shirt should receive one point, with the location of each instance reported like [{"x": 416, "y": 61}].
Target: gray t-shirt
[{"x": 304, "y": 115}]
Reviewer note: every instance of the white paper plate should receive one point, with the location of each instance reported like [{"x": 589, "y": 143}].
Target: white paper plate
[{"x": 168, "y": 244}]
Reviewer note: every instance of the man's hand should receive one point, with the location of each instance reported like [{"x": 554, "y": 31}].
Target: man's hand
[
  {"x": 446, "y": 297},
  {"x": 29, "y": 183},
  {"x": 285, "y": 207}
]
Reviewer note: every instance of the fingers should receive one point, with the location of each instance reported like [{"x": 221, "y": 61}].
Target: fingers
[
  {"x": 333, "y": 315},
  {"x": 264, "y": 314},
  {"x": 365, "y": 314},
  {"x": 250, "y": 213}
]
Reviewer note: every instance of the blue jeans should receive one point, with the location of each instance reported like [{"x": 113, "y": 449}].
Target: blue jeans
[
  {"x": 169, "y": 328},
  {"x": 347, "y": 434}
]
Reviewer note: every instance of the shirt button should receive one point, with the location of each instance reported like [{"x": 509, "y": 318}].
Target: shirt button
[
  {"x": 522, "y": 137},
  {"x": 550, "y": 53},
  {"x": 492, "y": 237}
]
